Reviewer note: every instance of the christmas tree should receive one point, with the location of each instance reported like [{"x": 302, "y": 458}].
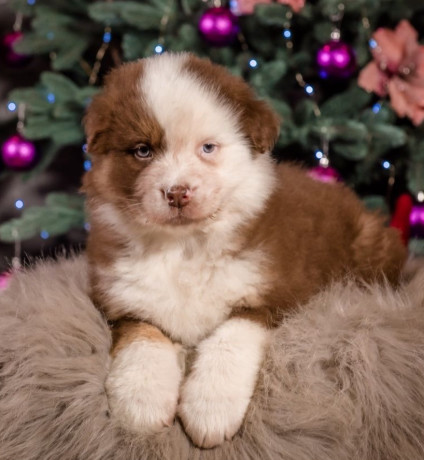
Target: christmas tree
[{"x": 347, "y": 79}]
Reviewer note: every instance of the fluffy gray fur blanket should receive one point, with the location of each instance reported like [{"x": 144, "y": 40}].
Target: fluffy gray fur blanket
[{"x": 343, "y": 379}]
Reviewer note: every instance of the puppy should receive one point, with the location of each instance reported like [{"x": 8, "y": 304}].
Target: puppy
[{"x": 199, "y": 239}]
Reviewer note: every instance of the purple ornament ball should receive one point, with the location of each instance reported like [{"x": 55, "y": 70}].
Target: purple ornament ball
[
  {"x": 10, "y": 56},
  {"x": 416, "y": 221},
  {"x": 336, "y": 59},
  {"x": 219, "y": 26},
  {"x": 4, "y": 280},
  {"x": 18, "y": 153},
  {"x": 324, "y": 174}
]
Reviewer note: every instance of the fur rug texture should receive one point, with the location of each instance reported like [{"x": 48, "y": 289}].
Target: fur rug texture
[{"x": 342, "y": 380}]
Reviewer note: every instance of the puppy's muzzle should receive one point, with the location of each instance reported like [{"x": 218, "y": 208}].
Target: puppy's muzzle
[{"x": 178, "y": 196}]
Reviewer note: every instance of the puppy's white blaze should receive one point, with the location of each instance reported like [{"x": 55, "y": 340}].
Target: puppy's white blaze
[
  {"x": 216, "y": 395},
  {"x": 143, "y": 386},
  {"x": 166, "y": 86}
]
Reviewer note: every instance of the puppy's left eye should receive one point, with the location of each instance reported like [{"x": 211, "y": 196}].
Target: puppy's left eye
[
  {"x": 142, "y": 152},
  {"x": 208, "y": 148}
]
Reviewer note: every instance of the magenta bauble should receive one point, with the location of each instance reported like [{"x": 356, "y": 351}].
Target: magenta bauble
[
  {"x": 324, "y": 174},
  {"x": 336, "y": 59},
  {"x": 18, "y": 153},
  {"x": 416, "y": 221},
  {"x": 219, "y": 26},
  {"x": 4, "y": 280},
  {"x": 10, "y": 56}
]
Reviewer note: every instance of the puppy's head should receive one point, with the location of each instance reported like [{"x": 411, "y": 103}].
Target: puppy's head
[{"x": 177, "y": 140}]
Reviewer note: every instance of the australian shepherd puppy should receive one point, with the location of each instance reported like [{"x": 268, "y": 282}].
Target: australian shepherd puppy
[{"x": 199, "y": 239}]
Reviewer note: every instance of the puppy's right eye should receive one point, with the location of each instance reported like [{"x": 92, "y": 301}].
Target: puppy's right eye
[{"x": 142, "y": 152}]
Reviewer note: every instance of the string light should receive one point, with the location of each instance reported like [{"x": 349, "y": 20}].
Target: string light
[
  {"x": 420, "y": 196},
  {"x": 44, "y": 234},
  {"x": 87, "y": 165},
  {"x": 106, "y": 39},
  {"x": 324, "y": 161},
  {"x": 309, "y": 89},
  {"x": 386, "y": 164},
  {"x": 319, "y": 154},
  {"x": 253, "y": 63},
  {"x": 372, "y": 43},
  {"x": 159, "y": 49},
  {"x": 31, "y": 2},
  {"x": 287, "y": 33},
  {"x": 107, "y": 36},
  {"x": 376, "y": 107},
  {"x": 19, "y": 204},
  {"x": 51, "y": 98},
  {"x": 11, "y": 106}
]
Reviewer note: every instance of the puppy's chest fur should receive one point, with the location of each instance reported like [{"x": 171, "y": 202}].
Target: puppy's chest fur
[{"x": 186, "y": 295}]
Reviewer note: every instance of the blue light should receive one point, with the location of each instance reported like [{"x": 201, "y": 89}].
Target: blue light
[
  {"x": 107, "y": 37},
  {"x": 87, "y": 165},
  {"x": 87, "y": 226},
  {"x": 376, "y": 108},
  {"x": 287, "y": 33},
  {"x": 11, "y": 106},
  {"x": 51, "y": 98},
  {"x": 85, "y": 148},
  {"x": 372, "y": 43},
  {"x": 319, "y": 154},
  {"x": 44, "y": 234},
  {"x": 253, "y": 63},
  {"x": 50, "y": 35},
  {"x": 31, "y": 2},
  {"x": 386, "y": 164},
  {"x": 309, "y": 89},
  {"x": 19, "y": 204},
  {"x": 158, "y": 49}
]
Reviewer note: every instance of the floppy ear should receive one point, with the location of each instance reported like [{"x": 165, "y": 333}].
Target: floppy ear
[
  {"x": 94, "y": 124},
  {"x": 261, "y": 124}
]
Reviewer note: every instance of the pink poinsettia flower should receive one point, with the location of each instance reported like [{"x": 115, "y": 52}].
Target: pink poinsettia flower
[
  {"x": 248, "y": 6},
  {"x": 397, "y": 70}
]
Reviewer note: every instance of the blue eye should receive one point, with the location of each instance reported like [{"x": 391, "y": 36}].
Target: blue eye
[
  {"x": 142, "y": 152},
  {"x": 208, "y": 148}
]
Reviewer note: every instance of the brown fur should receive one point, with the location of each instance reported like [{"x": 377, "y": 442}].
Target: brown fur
[
  {"x": 127, "y": 331},
  {"x": 314, "y": 233}
]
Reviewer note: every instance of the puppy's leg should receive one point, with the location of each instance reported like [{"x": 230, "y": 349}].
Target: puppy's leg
[
  {"x": 216, "y": 394},
  {"x": 144, "y": 379}
]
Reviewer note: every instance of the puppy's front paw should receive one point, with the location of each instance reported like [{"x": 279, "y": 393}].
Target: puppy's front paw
[
  {"x": 143, "y": 386},
  {"x": 211, "y": 413},
  {"x": 215, "y": 397}
]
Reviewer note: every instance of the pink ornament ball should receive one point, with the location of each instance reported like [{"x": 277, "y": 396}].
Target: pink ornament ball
[
  {"x": 4, "y": 280},
  {"x": 336, "y": 59},
  {"x": 219, "y": 26},
  {"x": 324, "y": 174},
  {"x": 416, "y": 221},
  {"x": 10, "y": 55},
  {"x": 18, "y": 153}
]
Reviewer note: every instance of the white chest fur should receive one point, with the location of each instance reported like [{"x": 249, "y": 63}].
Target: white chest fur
[{"x": 187, "y": 296}]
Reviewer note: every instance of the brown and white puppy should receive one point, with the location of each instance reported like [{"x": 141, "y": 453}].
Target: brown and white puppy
[{"x": 198, "y": 238}]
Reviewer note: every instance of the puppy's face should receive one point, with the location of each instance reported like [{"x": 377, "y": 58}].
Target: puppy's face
[{"x": 176, "y": 140}]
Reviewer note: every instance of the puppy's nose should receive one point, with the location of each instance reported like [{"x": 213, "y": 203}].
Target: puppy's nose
[{"x": 178, "y": 196}]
